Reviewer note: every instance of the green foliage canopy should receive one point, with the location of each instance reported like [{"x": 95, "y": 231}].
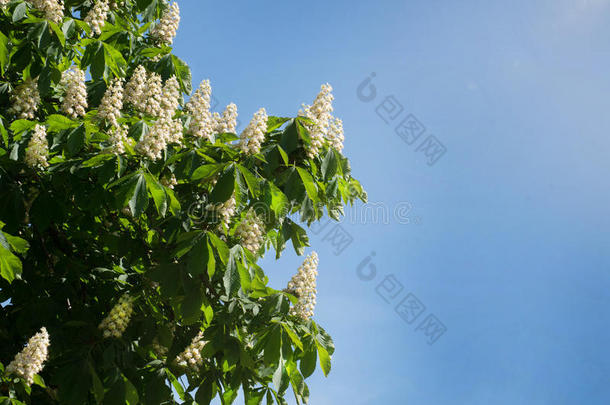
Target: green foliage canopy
[{"x": 95, "y": 225}]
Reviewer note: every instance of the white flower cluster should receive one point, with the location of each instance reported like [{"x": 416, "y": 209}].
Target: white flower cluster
[
  {"x": 170, "y": 181},
  {"x": 202, "y": 123},
  {"x": 112, "y": 102},
  {"x": 75, "y": 98},
  {"x": 191, "y": 356},
  {"x": 117, "y": 320},
  {"x": 114, "y": 4},
  {"x": 158, "y": 348},
  {"x": 303, "y": 286},
  {"x": 147, "y": 94},
  {"x": 253, "y": 136},
  {"x": 96, "y": 17},
  {"x": 4, "y": 2},
  {"x": 170, "y": 100},
  {"x": 164, "y": 131},
  {"x": 118, "y": 139},
  {"x": 153, "y": 95},
  {"x": 134, "y": 90},
  {"x": 224, "y": 211},
  {"x": 228, "y": 121},
  {"x": 324, "y": 124},
  {"x": 53, "y": 9},
  {"x": 30, "y": 360},
  {"x": 250, "y": 231},
  {"x": 165, "y": 30},
  {"x": 335, "y": 133},
  {"x": 38, "y": 148},
  {"x": 25, "y": 99}
]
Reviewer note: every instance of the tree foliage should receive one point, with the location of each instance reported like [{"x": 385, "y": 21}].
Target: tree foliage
[{"x": 93, "y": 226}]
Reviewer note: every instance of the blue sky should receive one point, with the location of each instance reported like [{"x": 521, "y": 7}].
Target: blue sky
[{"x": 507, "y": 236}]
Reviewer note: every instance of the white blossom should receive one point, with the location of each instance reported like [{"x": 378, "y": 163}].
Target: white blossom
[
  {"x": 228, "y": 121},
  {"x": 53, "y": 9},
  {"x": 118, "y": 139},
  {"x": 112, "y": 102},
  {"x": 170, "y": 181},
  {"x": 170, "y": 99},
  {"x": 25, "y": 99},
  {"x": 158, "y": 348},
  {"x": 38, "y": 148},
  {"x": 4, "y": 2},
  {"x": 224, "y": 211},
  {"x": 165, "y": 30},
  {"x": 320, "y": 113},
  {"x": 153, "y": 94},
  {"x": 191, "y": 358},
  {"x": 30, "y": 361},
  {"x": 253, "y": 136},
  {"x": 250, "y": 231},
  {"x": 96, "y": 17},
  {"x": 114, "y": 4},
  {"x": 303, "y": 286},
  {"x": 164, "y": 131},
  {"x": 202, "y": 123},
  {"x": 335, "y": 133},
  {"x": 75, "y": 97},
  {"x": 134, "y": 90},
  {"x": 117, "y": 320}
]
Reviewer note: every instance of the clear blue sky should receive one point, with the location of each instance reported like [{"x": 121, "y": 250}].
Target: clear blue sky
[{"x": 508, "y": 236}]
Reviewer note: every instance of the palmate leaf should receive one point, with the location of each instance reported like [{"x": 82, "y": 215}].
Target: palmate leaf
[{"x": 10, "y": 265}]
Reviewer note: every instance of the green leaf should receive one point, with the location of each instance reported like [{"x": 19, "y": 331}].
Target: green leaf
[
  {"x": 199, "y": 257},
  {"x": 16, "y": 243},
  {"x": 280, "y": 377},
  {"x": 224, "y": 187},
  {"x": 98, "y": 387},
  {"x": 231, "y": 278},
  {"x": 58, "y": 32},
  {"x": 39, "y": 381},
  {"x": 273, "y": 343},
  {"x": 251, "y": 180},
  {"x": 3, "y": 52},
  {"x": 76, "y": 140},
  {"x": 275, "y": 199},
  {"x": 293, "y": 336},
  {"x": 308, "y": 362},
  {"x": 20, "y": 11},
  {"x": 19, "y": 126},
  {"x": 10, "y": 265},
  {"x": 275, "y": 122},
  {"x": 57, "y": 122},
  {"x": 324, "y": 359},
  {"x": 114, "y": 60},
  {"x": 191, "y": 306},
  {"x": 139, "y": 200},
  {"x": 254, "y": 397},
  {"x": 283, "y": 154},
  {"x": 131, "y": 393},
  {"x": 329, "y": 164},
  {"x": 289, "y": 141},
  {"x": 176, "y": 384},
  {"x": 221, "y": 247},
  {"x": 206, "y": 172},
  {"x": 157, "y": 191},
  {"x": 310, "y": 186},
  {"x": 116, "y": 394},
  {"x": 206, "y": 391}
]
